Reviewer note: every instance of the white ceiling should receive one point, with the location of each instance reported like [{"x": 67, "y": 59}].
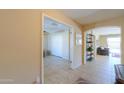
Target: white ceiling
[
  {"x": 52, "y": 26},
  {"x": 86, "y": 16},
  {"x": 107, "y": 31}
]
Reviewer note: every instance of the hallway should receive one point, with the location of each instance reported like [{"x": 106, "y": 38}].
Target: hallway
[{"x": 99, "y": 71}]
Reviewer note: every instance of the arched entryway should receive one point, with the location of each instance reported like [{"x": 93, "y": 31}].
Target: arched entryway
[{"x": 106, "y": 38}]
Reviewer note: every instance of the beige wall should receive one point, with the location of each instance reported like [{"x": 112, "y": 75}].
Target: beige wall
[
  {"x": 103, "y": 41},
  {"x": 119, "y": 22},
  {"x": 20, "y": 44}
]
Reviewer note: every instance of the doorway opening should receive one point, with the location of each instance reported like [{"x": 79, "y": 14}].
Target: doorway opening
[
  {"x": 103, "y": 42},
  {"x": 103, "y": 49},
  {"x": 57, "y": 49}
]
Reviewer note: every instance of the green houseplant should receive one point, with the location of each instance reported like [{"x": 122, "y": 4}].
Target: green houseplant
[{"x": 89, "y": 49}]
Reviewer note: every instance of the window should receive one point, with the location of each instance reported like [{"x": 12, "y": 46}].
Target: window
[{"x": 114, "y": 45}]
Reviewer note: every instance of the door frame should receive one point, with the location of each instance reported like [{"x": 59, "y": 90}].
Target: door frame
[{"x": 42, "y": 41}]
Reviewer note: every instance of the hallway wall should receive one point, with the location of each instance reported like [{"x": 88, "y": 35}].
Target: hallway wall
[{"x": 19, "y": 46}]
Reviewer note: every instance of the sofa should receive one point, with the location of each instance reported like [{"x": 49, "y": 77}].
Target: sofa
[{"x": 103, "y": 51}]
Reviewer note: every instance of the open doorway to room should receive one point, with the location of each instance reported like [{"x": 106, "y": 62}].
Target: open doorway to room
[
  {"x": 57, "y": 50},
  {"x": 104, "y": 42},
  {"x": 103, "y": 49}
]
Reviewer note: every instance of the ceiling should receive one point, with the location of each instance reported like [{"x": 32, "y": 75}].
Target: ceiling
[
  {"x": 52, "y": 26},
  {"x": 86, "y": 16},
  {"x": 107, "y": 31}
]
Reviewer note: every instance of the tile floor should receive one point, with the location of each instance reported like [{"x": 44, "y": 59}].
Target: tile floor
[{"x": 99, "y": 71}]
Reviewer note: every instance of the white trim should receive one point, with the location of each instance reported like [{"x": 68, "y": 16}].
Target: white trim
[
  {"x": 41, "y": 38},
  {"x": 121, "y": 44},
  {"x": 85, "y": 48}
]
